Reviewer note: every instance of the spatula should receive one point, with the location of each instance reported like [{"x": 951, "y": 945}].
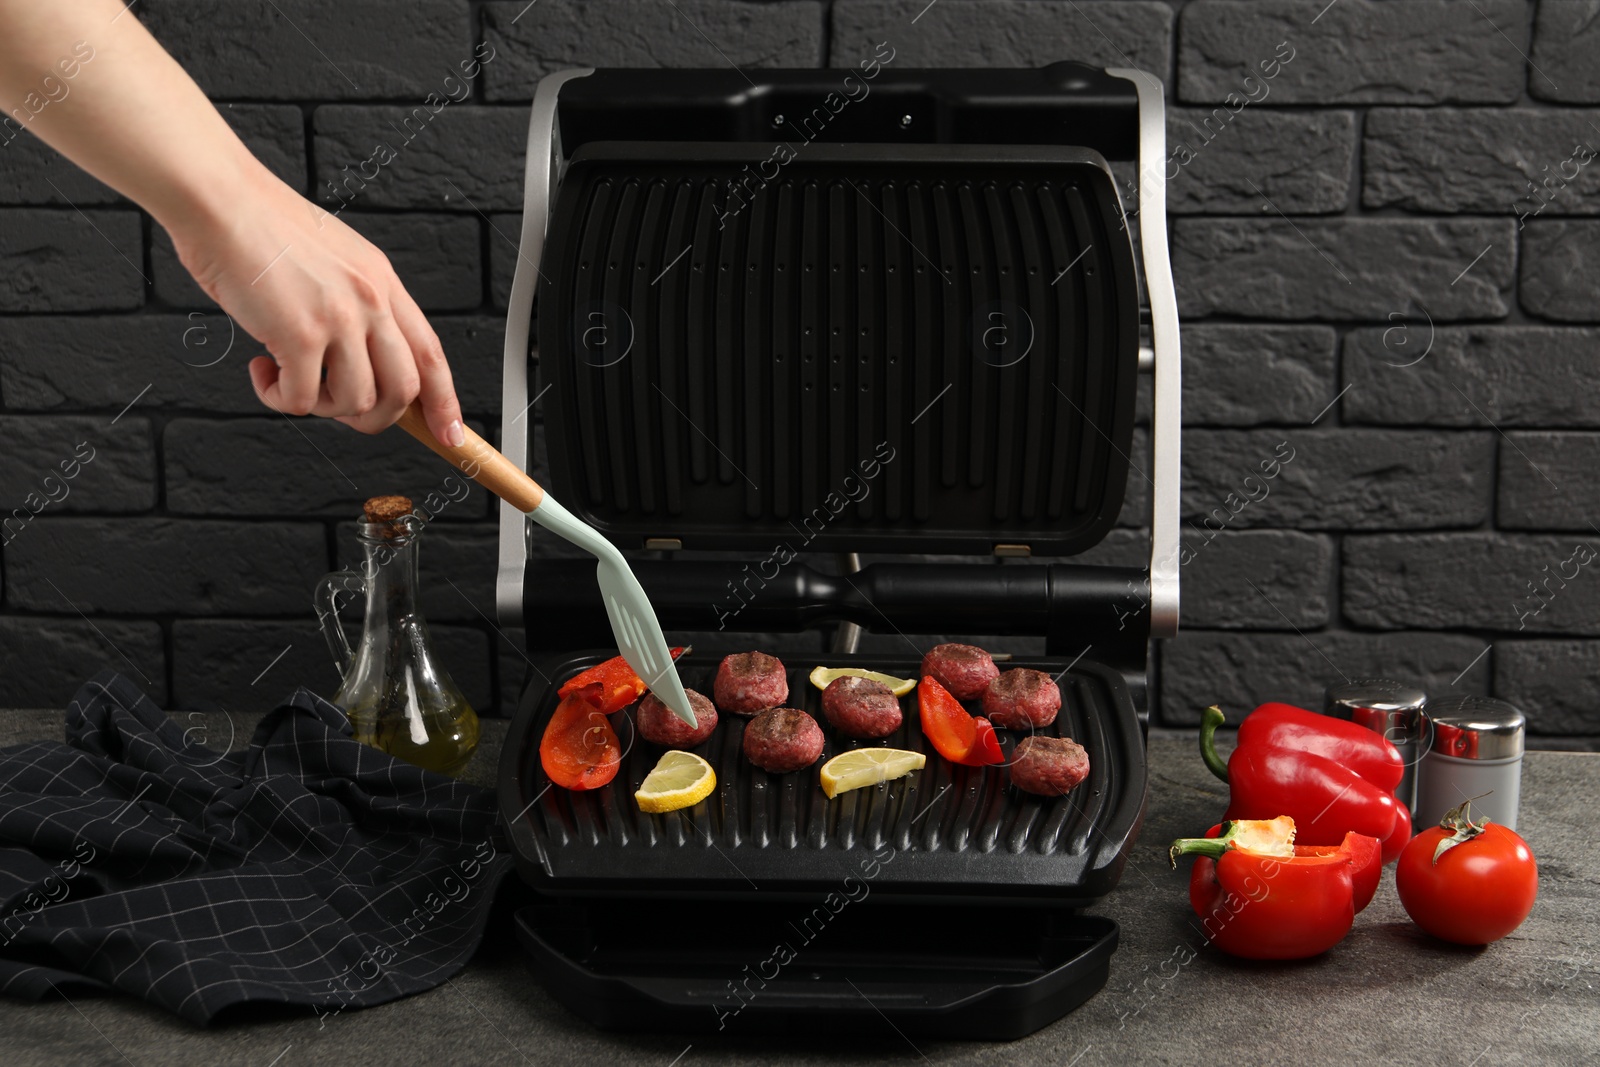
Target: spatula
[{"x": 633, "y": 620}]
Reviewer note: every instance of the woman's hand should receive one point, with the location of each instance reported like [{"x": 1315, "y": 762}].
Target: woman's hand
[{"x": 347, "y": 341}]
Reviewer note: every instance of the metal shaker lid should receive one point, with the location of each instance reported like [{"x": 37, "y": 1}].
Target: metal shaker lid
[
  {"x": 1477, "y": 728},
  {"x": 1388, "y": 707}
]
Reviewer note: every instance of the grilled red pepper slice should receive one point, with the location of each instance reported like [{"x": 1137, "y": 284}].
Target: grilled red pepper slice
[
  {"x": 619, "y": 685},
  {"x": 1326, "y": 799},
  {"x": 952, "y": 731},
  {"x": 579, "y": 749},
  {"x": 1364, "y": 751},
  {"x": 1260, "y": 897},
  {"x": 986, "y": 746}
]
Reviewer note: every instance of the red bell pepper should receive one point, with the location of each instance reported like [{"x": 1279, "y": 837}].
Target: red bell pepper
[
  {"x": 952, "y": 731},
  {"x": 1326, "y": 798},
  {"x": 1364, "y": 751},
  {"x": 579, "y": 749},
  {"x": 619, "y": 685},
  {"x": 1259, "y": 896}
]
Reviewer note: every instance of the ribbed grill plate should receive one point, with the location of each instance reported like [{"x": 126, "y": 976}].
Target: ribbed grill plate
[
  {"x": 953, "y": 829},
  {"x": 738, "y": 348}
]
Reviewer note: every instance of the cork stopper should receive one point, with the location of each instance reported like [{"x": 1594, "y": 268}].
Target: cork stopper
[{"x": 386, "y": 511}]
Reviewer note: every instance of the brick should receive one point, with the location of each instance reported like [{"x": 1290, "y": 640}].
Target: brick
[
  {"x": 45, "y": 661},
  {"x": 31, "y": 172},
  {"x": 1354, "y": 52},
  {"x": 1250, "y": 375},
  {"x": 1472, "y": 376},
  {"x": 76, "y": 463},
  {"x": 1548, "y": 481},
  {"x": 1556, "y": 684},
  {"x": 234, "y": 664},
  {"x": 1489, "y": 581},
  {"x": 160, "y": 565},
  {"x": 305, "y": 50},
  {"x": 1560, "y": 270},
  {"x": 1020, "y": 33},
  {"x": 1235, "y": 163},
  {"x": 505, "y": 240},
  {"x": 1239, "y": 670},
  {"x": 1517, "y": 161},
  {"x": 1292, "y": 574},
  {"x": 276, "y": 466},
  {"x": 436, "y": 257},
  {"x": 1343, "y": 269},
  {"x": 475, "y": 347},
  {"x": 1566, "y": 38},
  {"x": 531, "y": 42},
  {"x": 463, "y": 158},
  {"x": 1337, "y": 479},
  {"x": 70, "y": 260},
  {"x": 192, "y": 361}
]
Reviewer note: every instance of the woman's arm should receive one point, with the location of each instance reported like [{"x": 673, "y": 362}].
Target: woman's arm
[{"x": 313, "y": 291}]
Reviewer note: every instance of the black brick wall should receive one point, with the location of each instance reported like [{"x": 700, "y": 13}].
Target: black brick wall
[{"x": 1364, "y": 272}]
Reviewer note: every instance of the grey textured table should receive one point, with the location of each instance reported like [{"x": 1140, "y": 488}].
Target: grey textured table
[{"x": 1387, "y": 994}]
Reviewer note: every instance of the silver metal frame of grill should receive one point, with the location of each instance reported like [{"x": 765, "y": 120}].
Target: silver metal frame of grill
[{"x": 542, "y": 176}]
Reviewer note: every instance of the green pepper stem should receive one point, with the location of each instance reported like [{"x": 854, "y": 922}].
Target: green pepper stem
[
  {"x": 1212, "y": 847},
  {"x": 1209, "y": 722}
]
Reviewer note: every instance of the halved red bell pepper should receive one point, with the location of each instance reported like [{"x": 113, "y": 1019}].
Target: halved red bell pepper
[
  {"x": 579, "y": 749},
  {"x": 952, "y": 731},
  {"x": 619, "y": 685},
  {"x": 1260, "y": 896},
  {"x": 1326, "y": 798}
]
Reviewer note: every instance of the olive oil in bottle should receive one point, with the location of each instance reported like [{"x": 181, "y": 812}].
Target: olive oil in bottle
[{"x": 398, "y": 697}]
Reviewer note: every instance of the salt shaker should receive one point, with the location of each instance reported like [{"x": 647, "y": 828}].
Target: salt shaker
[
  {"x": 1391, "y": 708},
  {"x": 1476, "y": 749}
]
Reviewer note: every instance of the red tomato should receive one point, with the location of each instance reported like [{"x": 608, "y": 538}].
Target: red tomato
[{"x": 1478, "y": 891}]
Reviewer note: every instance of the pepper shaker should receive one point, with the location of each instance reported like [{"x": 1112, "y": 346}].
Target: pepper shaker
[
  {"x": 1476, "y": 749},
  {"x": 1393, "y": 709}
]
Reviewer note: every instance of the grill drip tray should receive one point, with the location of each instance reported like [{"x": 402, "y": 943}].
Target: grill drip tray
[
  {"x": 954, "y": 833},
  {"x": 962, "y": 972}
]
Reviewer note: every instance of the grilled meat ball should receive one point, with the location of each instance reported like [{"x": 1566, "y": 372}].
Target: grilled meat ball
[
  {"x": 1049, "y": 766},
  {"x": 1021, "y": 699},
  {"x": 748, "y": 682},
  {"x": 658, "y": 725},
  {"x": 782, "y": 739},
  {"x": 861, "y": 707},
  {"x": 965, "y": 670}
]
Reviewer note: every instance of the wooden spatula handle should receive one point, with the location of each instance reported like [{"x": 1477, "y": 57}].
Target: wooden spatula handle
[{"x": 478, "y": 460}]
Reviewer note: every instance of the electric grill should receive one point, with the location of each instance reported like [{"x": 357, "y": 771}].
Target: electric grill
[{"x": 791, "y": 313}]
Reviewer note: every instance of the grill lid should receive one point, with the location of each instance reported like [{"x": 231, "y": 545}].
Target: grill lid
[{"x": 871, "y": 347}]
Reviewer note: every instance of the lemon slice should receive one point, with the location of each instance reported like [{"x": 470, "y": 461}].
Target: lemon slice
[
  {"x": 867, "y": 766},
  {"x": 679, "y": 780},
  {"x": 821, "y": 676}
]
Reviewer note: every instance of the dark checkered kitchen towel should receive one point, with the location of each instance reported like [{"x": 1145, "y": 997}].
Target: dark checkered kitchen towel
[{"x": 308, "y": 869}]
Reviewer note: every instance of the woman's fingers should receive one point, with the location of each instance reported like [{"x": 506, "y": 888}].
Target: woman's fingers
[
  {"x": 350, "y": 388},
  {"x": 394, "y": 374},
  {"x": 271, "y": 385},
  {"x": 437, "y": 388}
]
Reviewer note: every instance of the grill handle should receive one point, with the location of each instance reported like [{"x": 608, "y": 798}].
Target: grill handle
[{"x": 1069, "y": 604}]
